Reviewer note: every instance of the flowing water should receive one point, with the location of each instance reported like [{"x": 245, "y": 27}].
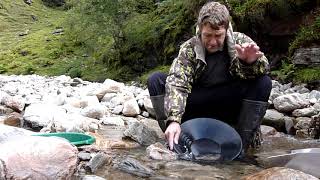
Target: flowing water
[{"x": 180, "y": 169}]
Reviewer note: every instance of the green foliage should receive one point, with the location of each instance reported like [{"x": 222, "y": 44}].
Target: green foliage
[
  {"x": 285, "y": 72},
  {"x": 260, "y": 12},
  {"x": 305, "y": 75},
  {"x": 164, "y": 69},
  {"x": 307, "y": 36}
]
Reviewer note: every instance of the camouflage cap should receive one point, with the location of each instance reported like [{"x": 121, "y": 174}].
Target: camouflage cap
[{"x": 215, "y": 13}]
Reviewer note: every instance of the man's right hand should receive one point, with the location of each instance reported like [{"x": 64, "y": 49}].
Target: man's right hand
[{"x": 172, "y": 134}]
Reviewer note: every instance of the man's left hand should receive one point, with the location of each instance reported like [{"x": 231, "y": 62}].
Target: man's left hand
[{"x": 248, "y": 52}]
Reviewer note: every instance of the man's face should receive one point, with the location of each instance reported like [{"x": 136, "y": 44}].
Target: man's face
[{"x": 212, "y": 39}]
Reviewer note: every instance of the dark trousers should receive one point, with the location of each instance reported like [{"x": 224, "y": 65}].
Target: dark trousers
[{"x": 221, "y": 102}]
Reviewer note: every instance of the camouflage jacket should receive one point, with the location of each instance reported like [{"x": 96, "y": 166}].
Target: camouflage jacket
[{"x": 190, "y": 63}]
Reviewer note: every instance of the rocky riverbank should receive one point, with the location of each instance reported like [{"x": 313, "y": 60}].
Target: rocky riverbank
[{"x": 120, "y": 117}]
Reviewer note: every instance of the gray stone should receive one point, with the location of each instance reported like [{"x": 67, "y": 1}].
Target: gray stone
[
  {"x": 314, "y": 94},
  {"x": 84, "y": 156},
  {"x": 145, "y": 114},
  {"x": 158, "y": 151},
  {"x": 307, "y": 56},
  {"x": 133, "y": 166},
  {"x": 289, "y": 124},
  {"x": 303, "y": 123},
  {"x": 95, "y": 112},
  {"x": 268, "y": 130},
  {"x": 131, "y": 108},
  {"x": 4, "y": 110},
  {"x": 15, "y": 103},
  {"x": 108, "y": 96},
  {"x": 113, "y": 121},
  {"x": 118, "y": 109},
  {"x": 111, "y": 86},
  {"x": 274, "y": 119},
  {"x": 310, "y": 111},
  {"x": 290, "y": 102},
  {"x": 97, "y": 161},
  {"x": 141, "y": 133}
]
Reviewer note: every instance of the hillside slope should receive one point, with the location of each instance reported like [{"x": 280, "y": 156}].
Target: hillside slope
[{"x": 27, "y": 42}]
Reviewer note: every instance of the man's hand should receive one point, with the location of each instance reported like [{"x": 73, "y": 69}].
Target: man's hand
[
  {"x": 248, "y": 52},
  {"x": 172, "y": 133}
]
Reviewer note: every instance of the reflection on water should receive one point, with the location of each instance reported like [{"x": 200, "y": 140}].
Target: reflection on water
[{"x": 190, "y": 170}]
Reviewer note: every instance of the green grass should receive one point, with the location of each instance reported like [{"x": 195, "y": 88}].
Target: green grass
[
  {"x": 164, "y": 69},
  {"x": 306, "y": 75},
  {"x": 39, "y": 48},
  {"x": 40, "y": 51}
]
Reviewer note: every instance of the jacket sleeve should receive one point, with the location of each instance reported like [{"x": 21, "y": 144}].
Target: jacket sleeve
[
  {"x": 245, "y": 71},
  {"x": 179, "y": 83}
]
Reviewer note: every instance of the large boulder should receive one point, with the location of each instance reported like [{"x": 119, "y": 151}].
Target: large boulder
[{"x": 38, "y": 157}]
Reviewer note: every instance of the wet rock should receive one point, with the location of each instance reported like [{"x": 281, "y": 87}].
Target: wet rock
[
  {"x": 92, "y": 177},
  {"x": 113, "y": 121},
  {"x": 14, "y": 119},
  {"x": 140, "y": 133},
  {"x": 310, "y": 111},
  {"x": 38, "y": 158},
  {"x": 290, "y": 102},
  {"x": 307, "y": 163},
  {"x": 97, "y": 161},
  {"x": 279, "y": 173},
  {"x": 84, "y": 156},
  {"x": 131, "y": 108},
  {"x": 153, "y": 124},
  {"x": 158, "y": 151},
  {"x": 133, "y": 166}
]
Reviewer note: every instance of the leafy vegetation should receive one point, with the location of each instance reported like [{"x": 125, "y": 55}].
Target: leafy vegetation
[{"x": 307, "y": 36}]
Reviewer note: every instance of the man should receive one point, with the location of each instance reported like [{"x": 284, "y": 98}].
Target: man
[{"x": 219, "y": 74}]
